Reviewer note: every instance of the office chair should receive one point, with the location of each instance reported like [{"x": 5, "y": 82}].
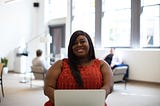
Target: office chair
[
  {"x": 1, "y": 78},
  {"x": 38, "y": 73},
  {"x": 119, "y": 73}
]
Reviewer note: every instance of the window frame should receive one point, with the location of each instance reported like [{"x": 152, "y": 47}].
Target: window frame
[{"x": 135, "y": 31}]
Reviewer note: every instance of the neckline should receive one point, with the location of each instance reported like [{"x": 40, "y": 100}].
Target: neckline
[{"x": 88, "y": 64}]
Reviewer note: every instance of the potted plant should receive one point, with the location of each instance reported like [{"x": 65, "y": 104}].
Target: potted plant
[{"x": 4, "y": 61}]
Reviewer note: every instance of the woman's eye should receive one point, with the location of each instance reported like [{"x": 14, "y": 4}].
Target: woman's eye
[
  {"x": 83, "y": 41},
  {"x": 75, "y": 43}
]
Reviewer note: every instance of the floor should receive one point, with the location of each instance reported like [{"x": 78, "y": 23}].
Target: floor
[
  {"x": 135, "y": 94},
  {"x": 18, "y": 93}
]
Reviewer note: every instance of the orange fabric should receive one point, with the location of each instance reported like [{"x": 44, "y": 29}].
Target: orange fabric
[{"x": 91, "y": 76}]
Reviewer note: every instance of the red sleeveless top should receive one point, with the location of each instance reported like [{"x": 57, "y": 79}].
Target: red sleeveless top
[{"x": 90, "y": 74}]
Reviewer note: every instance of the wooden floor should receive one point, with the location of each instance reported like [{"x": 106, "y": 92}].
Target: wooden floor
[{"x": 21, "y": 94}]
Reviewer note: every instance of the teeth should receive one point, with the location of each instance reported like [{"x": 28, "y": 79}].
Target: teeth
[{"x": 79, "y": 50}]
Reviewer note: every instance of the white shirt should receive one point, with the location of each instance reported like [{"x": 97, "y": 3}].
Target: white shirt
[
  {"x": 39, "y": 61},
  {"x": 116, "y": 60}
]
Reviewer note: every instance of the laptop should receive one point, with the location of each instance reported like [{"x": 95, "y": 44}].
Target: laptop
[{"x": 91, "y": 97}]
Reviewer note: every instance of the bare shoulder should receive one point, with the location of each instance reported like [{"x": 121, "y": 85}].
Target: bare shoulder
[
  {"x": 52, "y": 75},
  {"x": 104, "y": 64},
  {"x": 56, "y": 67},
  {"x": 58, "y": 63}
]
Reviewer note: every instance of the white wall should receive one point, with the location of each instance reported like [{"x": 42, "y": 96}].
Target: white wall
[
  {"x": 21, "y": 23},
  {"x": 15, "y": 23},
  {"x": 144, "y": 64}
]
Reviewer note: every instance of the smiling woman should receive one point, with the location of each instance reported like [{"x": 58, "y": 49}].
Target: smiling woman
[
  {"x": 81, "y": 46},
  {"x": 81, "y": 70}
]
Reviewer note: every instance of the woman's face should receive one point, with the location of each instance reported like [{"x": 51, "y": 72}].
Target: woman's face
[{"x": 81, "y": 46}]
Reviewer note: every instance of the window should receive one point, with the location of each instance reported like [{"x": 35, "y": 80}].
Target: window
[
  {"x": 56, "y": 9},
  {"x": 116, "y": 23},
  {"x": 123, "y": 23},
  {"x": 150, "y": 23},
  {"x": 83, "y": 16}
]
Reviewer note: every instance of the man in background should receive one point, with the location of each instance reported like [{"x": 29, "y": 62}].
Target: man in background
[
  {"x": 40, "y": 61},
  {"x": 114, "y": 60}
]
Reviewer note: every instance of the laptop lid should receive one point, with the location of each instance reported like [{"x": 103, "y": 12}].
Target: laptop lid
[{"x": 79, "y": 97}]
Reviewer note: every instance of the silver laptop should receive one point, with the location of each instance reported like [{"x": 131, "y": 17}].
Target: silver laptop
[{"x": 79, "y": 97}]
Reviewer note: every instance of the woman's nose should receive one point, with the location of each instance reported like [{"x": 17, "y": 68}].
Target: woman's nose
[{"x": 79, "y": 44}]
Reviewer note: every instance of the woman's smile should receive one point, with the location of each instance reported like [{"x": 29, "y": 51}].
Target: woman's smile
[{"x": 79, "y": 50}]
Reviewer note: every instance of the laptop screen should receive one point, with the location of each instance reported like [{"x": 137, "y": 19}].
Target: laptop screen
[{"x": 91, "y": 97}]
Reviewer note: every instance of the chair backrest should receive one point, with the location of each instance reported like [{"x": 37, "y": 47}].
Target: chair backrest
[
  {"x": 1, "y": 69},
  {"x": 38, "y": 72},
  {"x": 119, "y": 72}
]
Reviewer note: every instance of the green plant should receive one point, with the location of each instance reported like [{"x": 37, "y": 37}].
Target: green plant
[{"x": 4, "y": 61}]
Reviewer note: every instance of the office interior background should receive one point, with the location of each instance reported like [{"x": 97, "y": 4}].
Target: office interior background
[{"x": 132, "y": 26}]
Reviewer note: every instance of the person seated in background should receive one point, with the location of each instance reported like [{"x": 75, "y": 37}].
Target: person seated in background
[
  {"x": 40, "y": 61},
  {"x": 114, "y": 60},
  {"x": 81, "y": 70}
]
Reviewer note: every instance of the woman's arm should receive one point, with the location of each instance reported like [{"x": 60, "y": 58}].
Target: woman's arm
[
  {"x": 107, "y": 77},
  {"x": 51, "y": 78}
]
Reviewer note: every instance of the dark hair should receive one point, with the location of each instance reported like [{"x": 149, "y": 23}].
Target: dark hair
[
  {"x": 73, "y": 59},
  {"x": 39, "y": 52}
]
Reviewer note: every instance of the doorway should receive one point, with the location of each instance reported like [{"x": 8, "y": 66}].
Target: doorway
[{"x": 58, "y": 38}]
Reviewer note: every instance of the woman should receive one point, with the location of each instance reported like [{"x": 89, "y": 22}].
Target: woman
[{"x": 81, "y": 70}]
